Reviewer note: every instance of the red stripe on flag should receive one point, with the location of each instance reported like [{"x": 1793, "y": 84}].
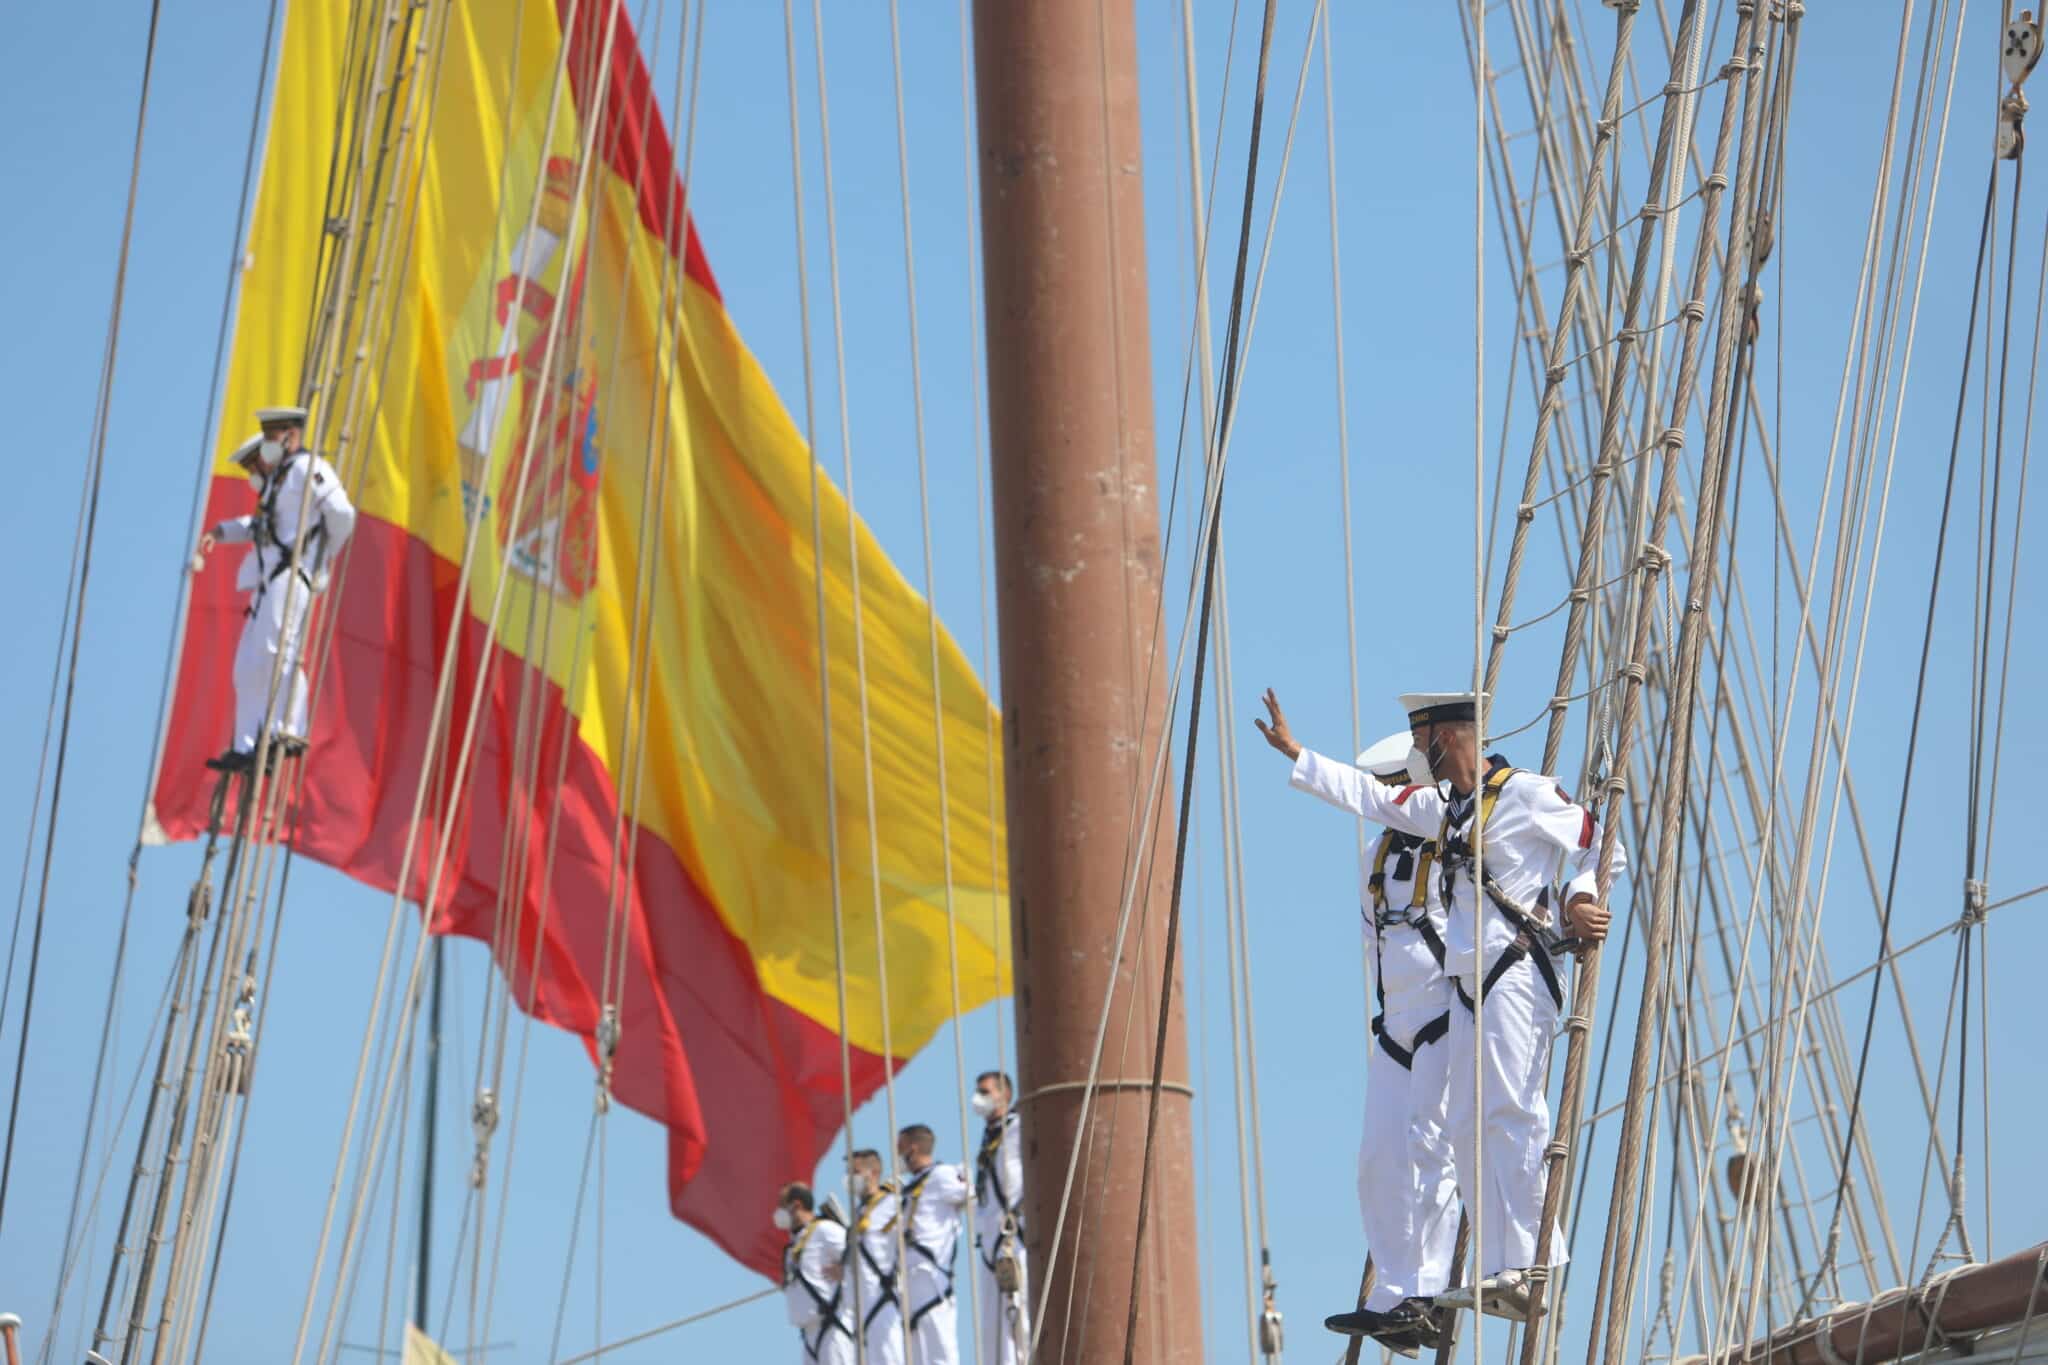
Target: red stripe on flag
[
  {"x": 632, "y": 139},
  {"x": 748, "y": 1087}
]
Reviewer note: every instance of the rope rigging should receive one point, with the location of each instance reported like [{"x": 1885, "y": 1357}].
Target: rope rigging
[{"x": 1645, "y": 656}]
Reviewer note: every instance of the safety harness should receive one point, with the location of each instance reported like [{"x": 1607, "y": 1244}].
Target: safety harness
[
  {"x": 264, "y": 529},
  {"x": 1532, "y": 939},
  {"x": 828, "y": 1307},
  {"x": 886, "y": 1279},
  {"x": 999, "y": 1260},
  {"x": 913, "y": 1190},
  {"x": 1412, "y": 859}
]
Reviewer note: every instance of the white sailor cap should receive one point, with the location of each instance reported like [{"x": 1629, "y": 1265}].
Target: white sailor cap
[
  {"x": 1389, "y": 757},
  {"x": 272, "y": 416},
  {"x": 246, "y": 451},
  {"x": 1427, "y": 708}
]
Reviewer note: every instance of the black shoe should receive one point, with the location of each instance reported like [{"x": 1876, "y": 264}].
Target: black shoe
[
  {"x": 1359, "y": 1322},
  {"x": 233, "y": 761},
  {"x": 1401, "y": 1343},
  {"x": 1415, "y": 1319}
]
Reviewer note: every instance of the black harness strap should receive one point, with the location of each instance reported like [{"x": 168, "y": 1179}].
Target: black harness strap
[
  {"x": 885, "y": 1279},
  {"x": 1413, "y": 856},
  {"x": 986, "y": 1164},
  {"x": 913, "y": 1189},
  {"x": 828, "y": 1307},
  {"x": 1427, "y": 1034},
  {"x": 266, "y": 526},
  {"x": 1525, "y": 945}
]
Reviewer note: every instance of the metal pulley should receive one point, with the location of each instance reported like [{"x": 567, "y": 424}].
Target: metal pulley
[
  {"x": 1272, "y": 1330},
  {"x": 2012, "y": 112},
  {"x": 2021, "y": 48},
  {"x": 483, "y": 1121}
]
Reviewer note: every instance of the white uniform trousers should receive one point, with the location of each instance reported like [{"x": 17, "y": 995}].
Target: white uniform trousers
[
  {"x": 275, "y": 626},
  {"x": 935, "y": 1330},
  {"x": 1521, "y": 1021},
  {"x": 885, "y": 1337},
  {"x": 826, "y": 1345},
  {"x": 1004, "y": 1325},
  {"x": 1407, "y": 1179}
]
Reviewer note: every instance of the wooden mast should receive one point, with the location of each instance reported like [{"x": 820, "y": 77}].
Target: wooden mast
[{"x": 1083, "y": 670}]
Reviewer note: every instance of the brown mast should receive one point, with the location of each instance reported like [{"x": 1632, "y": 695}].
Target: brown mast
[{"x": 1075, "y": 491}]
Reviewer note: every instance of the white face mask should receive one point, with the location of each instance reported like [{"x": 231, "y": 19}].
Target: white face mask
[
  {"x": 984, "y": 1103},
  {"x": 256, "y": 481},
  {"x": 270, "y": 452},
  {"x": 783, "y": 1220},
  {"x": 1418, "y": 769},
  {"x": 863, "y": 1184}
]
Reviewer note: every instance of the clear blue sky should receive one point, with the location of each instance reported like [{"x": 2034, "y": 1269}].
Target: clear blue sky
[{"x": 1405, "y": 168}]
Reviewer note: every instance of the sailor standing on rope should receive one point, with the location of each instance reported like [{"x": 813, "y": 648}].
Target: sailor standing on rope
[
  {"x": 934, "y": 1197},
  {"x": 1005, "y": 1326},
  {"x": 1534, "y": 837},
  {"x": 812, "y": 1265},
  {"x": 871, "y": 1247},
  {"x": 1407, "y": 1178},
  {"x": 291, "y": 482}
]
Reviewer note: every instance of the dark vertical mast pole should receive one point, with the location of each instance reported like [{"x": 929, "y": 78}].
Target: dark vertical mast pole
[
  {"x": 423, "y": 1265},
  {"x": 1083, "y": 670}
]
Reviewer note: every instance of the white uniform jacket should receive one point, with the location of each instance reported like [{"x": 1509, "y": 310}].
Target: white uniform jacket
[
  {"x": 811, "y": 1288},
  {"x": 1536, "y": 838},
  {"x": 302, "y": 483}
]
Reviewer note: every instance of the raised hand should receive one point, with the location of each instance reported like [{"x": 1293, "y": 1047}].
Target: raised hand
[{"x": 1277, "y": 734}]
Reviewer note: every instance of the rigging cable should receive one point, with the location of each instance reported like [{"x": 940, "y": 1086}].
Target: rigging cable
[
  {"x": 442, "y": 701},
  {"x": 96, "y": 470},
  {"x": 831, "y": 785},
  {"x": 1226, "y": 410},
  {"x": 1913, "y": 732}
]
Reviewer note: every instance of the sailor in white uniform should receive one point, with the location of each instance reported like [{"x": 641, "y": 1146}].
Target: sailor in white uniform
[
  {"x": 282, "y": 573},
  {"x": 934, "y": 1196},
  {"x": 1535, "y": 838},
  {"x": 812, "y": 1266},
  {"x": 1004, "y": 1328},
  {"x": 1407, "y": 1178},
  {"x": 871, "y": 1247}
]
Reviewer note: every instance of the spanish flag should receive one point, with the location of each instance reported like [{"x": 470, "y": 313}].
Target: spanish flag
[{"x": 470, "y": 248}]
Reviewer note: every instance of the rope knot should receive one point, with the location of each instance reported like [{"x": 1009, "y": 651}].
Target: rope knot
[
  {"x": 1500, "y": 633},
  {"x": 1559, "y": 702},
  {"x": 1556, "y": 1151},
  {"x": 1526, "y": 513},
  {"x": 1634, "y": 670},
  {"x": 1575, "y": 1023},
  {"x": 1651, "y": 211},
  {"x": 1617, "y": 785}
]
